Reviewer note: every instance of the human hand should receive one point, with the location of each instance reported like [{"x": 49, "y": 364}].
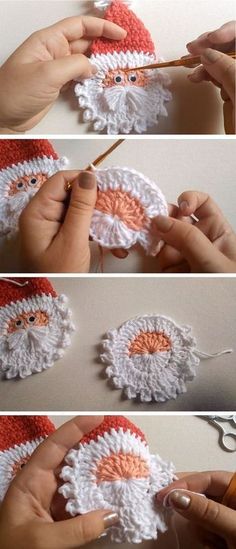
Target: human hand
[
  {"x": 26, "y": 521},
  {"x": 217, "y": 67},
  {"x": 205, "y": 245},
  {"x": 32, "y": 77},
  {"x": 54, "y": 226},
  {"x": 215, "y": 522}
]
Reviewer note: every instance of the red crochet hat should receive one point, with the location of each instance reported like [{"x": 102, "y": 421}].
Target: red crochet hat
[
  {"x": 19, "y": 437},
  {"x": 113, "y": 423},
  {"x": 35, "y": 326},
  {"x": 25, "y": 164},
  {"x": 138, "y": 38}
]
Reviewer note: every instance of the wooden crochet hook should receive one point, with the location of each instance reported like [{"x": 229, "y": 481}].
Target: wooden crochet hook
[
  {"x": 98, "y": 160},
  {"x": 185, "y": 62}
]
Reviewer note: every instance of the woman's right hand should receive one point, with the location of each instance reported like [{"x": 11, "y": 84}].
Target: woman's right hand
[{"x": 216, "y": 523}]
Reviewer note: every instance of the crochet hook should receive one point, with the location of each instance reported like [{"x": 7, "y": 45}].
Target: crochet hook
[
  {"x": 99, "y": 159},
  {"x": 184, "y": 62}
]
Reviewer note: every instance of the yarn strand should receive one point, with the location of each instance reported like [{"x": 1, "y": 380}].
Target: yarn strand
[
  {"x": 201, "y": 354},
  {"x": 20, "y": 284}
]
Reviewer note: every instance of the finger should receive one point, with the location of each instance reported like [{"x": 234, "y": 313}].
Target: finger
[
  {"x": 205, "y": 512},
  {"x": 60, "y": 71},
  {"x": 77, "y": 221},
  {"x": 52, "y": 451},
  {"x": 222, "y": 68},
  {"x": 80, "y": 46},
  {"x": 193, "y": 244},
  {"x": 74, "y": 28},
  {"x": 72, "y": 533},
  {"x": 198, "y": 203},
  {"x": 211, "y": 483},
  {"x": 120, "y": 253},
  {"x": 201, "y": 75},
  {"x": 197, "y": 46},
  {"x": 226, "y": 34}
]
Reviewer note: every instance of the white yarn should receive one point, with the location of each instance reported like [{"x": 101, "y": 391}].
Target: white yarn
[
  {"x": 10, "y": 458},
  {"x": 133, "y": 498},
  {"x": 109, "y": 230},
  {"x": 34, "y": 349},
  {"x": 99, "y": 106},
  {"x": 104, "y": 4},
  {"x": 10, "y": 209}
]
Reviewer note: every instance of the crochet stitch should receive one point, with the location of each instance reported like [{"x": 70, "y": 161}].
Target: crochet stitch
[
  {"x": 127, "y": 202},
  {"x": 35, "y": 326},
  {"x": 113, "y": 469},
  {"x": 19, "y": 437},
  {"x": 25, "y": 164},
  {"x": 117, "y": 101}
]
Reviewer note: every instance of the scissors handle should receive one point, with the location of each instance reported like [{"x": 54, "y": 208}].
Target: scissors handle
[{"x": 225, "y": 436}]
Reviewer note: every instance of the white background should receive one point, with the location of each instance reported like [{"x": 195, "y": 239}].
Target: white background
[
  {"x": 175, "y": 165},
  {"x": 173, "y": 23},
  {"x": 77, "y": 381},
  {"x": 192, "y": 445}
]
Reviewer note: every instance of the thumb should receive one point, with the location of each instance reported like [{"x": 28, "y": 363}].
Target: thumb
[
  {"x": 72, "y": 533},
  {"x": 222, "y": 68},
  {"x": 207, "y": 513},
  {"x": 191, "y": 243},
  {"x": 77, "y": 221},
  {"x": 61, "y": 71}
]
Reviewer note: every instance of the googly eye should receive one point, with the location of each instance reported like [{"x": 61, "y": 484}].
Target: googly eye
[
  {"x": 20, "y": 185},
  {"x": 118, "y": 78},
  {"x": 31, "y": 319},
  {"x": 33, "y": 181},
  {"x": 18, "y": 323},
  {"x": 133, "y": 78}
]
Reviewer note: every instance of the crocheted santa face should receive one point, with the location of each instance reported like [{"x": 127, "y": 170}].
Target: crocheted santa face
[
  {"x": 127, "y": 201},
  {"x": 25, "y": 164},
  {"x": 116, "y": 100},
  {"x": 19, "y": 437},
  {"x": 113, "y": 469},
  {"x": 35, "y": 326},
  {"x": 151, "y": 357}
]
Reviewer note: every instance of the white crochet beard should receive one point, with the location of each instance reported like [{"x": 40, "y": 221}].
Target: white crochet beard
[
  {"x": 123, "y": 109},
  {"x": 30, "y": 350}
]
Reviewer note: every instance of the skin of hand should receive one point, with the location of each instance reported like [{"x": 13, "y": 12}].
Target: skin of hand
[
  {"x": 217, "y": 67},
  {"x": 207, "y": 244},
  {"x": 32, "y": 77},
  {"x": 215, "y": 522},
  {"x": 54, "y": 226},
  {"x": 26, "y": 520}
]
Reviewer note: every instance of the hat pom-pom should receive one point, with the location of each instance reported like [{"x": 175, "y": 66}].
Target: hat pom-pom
[{"x": 104, "y": 4}]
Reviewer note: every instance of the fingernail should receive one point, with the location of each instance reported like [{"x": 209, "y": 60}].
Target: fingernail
[
  {"x": 179, "y": 500},
  {"x": 163, "y": 223},
  {"x": 110, "y": 519},
  {"x": 210, "y": 56},
  {"x": 94, "y": 69},
  {"x": 86, "y": 180},
  {"x": 188, "y": 45},
  {"x": 183, "y": 206},
  {"x": 196, "y": 75}
]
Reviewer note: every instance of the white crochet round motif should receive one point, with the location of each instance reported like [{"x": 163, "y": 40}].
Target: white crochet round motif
[
  {"x": 12, "y": 460},
  {"x": 33, "y": 334},
  {"x": 117, "y": 472},
  {"x": 150, "y": 357},
  {"x": 127, "y": 202}
]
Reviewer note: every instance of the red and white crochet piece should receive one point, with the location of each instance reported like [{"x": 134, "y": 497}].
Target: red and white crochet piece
[
  {"x": 127, "y": 202},
  {"x": 19, "y": 437},
  {"x": 113, "y": 469},
  {"x": 25, "y": 164},
  {"x": 35, "y": 326},
  {"x": 117, "y": 101},
  {"x": 151, "y": 357}
]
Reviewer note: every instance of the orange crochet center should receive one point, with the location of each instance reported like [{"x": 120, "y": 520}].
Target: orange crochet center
[
  {"x": 109, "y": 81},
  {"x": 26, "y": 183},
  {"x": 149, "y": 343},
  {"x": 121, "y": 466},
  {"x": 123, "y": 205},
  {"x": 41, "y": 319}
]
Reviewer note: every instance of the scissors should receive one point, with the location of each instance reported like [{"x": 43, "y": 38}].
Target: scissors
[{"x": 225, "y": 436}]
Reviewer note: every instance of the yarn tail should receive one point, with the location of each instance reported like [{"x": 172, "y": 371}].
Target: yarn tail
[{"x": 201, "y": 354}]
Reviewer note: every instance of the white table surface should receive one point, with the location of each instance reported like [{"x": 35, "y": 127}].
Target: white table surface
[
  {"x": 192, "y": 445},
  {"x": 77, "y": 381},
  {"x": 173, "y": 23},
  {"x": 175, "y": 165}
]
